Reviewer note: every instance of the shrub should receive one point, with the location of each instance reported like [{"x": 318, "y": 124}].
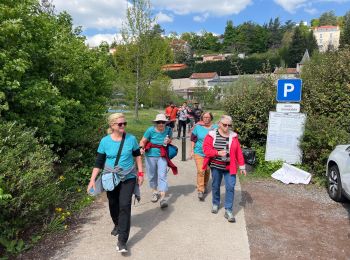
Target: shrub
[
  {"x": 326, "y": 93},
  {"x": 27, "y": 179},
  {"x": 249, "y": 107}
]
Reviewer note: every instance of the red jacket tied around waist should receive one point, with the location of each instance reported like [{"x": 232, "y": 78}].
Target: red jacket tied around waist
[
  {"x": 236, "y": 154},
  {"x": 163, "y": 153}
]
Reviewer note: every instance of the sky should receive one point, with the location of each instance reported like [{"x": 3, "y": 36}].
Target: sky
[{"x": 101, "y": 20}]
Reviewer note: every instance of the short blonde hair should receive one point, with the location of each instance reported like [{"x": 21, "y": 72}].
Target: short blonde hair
[{"x": 112, "y": 119}]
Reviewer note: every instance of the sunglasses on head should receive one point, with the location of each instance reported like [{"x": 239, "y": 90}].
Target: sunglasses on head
[
  {"x": 160, "y": 122},
  {"x": 121, "y": 124},
  {"x": 226, "y": 125}
]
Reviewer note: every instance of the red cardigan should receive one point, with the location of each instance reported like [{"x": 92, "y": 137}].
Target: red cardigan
[{"x": 236, "y": 154}]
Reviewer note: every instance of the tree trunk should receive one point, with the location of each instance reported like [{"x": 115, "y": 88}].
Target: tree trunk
[{"x": 137, "y": 88}]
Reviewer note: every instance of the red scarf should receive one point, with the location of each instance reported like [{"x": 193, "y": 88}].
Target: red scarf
[{"x": 163, "y": 153}]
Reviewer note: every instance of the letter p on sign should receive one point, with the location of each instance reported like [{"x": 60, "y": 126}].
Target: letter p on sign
[
  {"x": 288, "y": 87},
  {"x": 289, "y": 90}
]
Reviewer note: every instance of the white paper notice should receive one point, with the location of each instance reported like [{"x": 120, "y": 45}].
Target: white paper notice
[
  {"x": 290, "y": 174},
  {"x": 283, "y": 135}
]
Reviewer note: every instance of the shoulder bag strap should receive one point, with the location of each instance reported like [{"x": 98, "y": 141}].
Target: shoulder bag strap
[{"x": 120, "y": 150}]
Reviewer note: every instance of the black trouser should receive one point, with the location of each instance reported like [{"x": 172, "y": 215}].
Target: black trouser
[
  {"x": 119, "y": 201},
  {"x": 171, "y": 124},
  {"x": 182, "y": 124}
]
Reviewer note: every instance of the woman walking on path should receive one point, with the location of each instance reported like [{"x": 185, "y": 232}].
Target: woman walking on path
[
  {"x": 222, "y": 150},
  {"x": 120, "y": 198},
  {"x": 199, "y": 132},
  {"x": 153, "y": 144},
  {"x": 183, "y": 116}
]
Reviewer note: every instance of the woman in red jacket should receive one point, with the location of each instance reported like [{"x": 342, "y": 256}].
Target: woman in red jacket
[{"x": 222, "y": 152}]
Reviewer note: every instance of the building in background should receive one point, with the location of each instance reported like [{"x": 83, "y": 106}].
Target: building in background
[{"x": 327, "y": 37}]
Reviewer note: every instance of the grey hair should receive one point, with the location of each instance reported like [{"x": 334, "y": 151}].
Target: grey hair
[{"x": 226, "y": 117}]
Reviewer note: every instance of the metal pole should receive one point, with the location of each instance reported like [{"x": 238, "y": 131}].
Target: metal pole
[{"x": 183, "y": 149}]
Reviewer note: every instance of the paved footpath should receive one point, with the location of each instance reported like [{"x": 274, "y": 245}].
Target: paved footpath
[{"x": 185, "y": 230}]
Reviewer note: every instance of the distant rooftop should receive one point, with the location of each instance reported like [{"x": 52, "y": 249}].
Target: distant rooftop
[
  {"x": 208, "y": 75},
  {"x": 177, "y": 66},
  {"x": 326, "y": 28}
]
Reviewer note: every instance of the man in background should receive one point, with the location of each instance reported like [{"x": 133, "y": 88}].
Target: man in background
[{"x": 196, "y": 112}]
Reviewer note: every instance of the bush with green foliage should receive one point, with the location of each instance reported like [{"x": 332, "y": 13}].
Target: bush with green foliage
[
  {"x": 249, "y": 107},
  {"x": 52, "y": 82},
  {"x": 26, "y": 178},
  {"x": 326, "y": 92}
]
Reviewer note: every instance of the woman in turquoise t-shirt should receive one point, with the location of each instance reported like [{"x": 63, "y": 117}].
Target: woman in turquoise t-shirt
[
  {"x": 156, "y": 166},
  {"x": 199, "y": 132},
  {"x": 119, "y": 199}
]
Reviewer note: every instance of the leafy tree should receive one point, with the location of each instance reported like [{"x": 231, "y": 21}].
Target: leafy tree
[
  {"x": 345, "y": 36},
  {"x": 315, "y": 22},
  {"x": 297, "y": 48},
  {"x": 311, "y": 43},
  {"x": 328, "y": 18},
  {"x": 275, "y": 33},
  {"x": 140, "y": 57},
  {"x": 210, "y": 42},
  {"x": 251, "y": 38},
  {"x": 229, "y": 37},
  {"x": 49, "y": 78}
]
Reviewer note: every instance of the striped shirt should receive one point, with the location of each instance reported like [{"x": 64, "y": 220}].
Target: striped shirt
[{"x": 221, "y": 143}]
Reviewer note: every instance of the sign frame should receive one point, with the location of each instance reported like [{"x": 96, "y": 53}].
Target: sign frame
[{"x": 281, "y": 90}]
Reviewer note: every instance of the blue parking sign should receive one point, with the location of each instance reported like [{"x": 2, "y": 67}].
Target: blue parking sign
[{"x": 289, "y": 90}]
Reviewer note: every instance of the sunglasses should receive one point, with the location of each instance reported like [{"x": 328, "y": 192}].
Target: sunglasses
[
  {"x": 226, "y": 125},
  {"x": 121, "y": 124},
  {"x": 160, "y": 122}
]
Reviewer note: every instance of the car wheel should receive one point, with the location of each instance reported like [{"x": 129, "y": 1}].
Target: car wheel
[{"x": 334, "y": 184}]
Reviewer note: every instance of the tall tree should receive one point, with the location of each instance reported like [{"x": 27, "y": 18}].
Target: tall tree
[
  {"x": 311, "y": 43},
  {"x": 140, "y": 57},
  {"x": 345, "y": 36},
  {"x": 229, "y": 36},
  {"x": 251, "y": 38},
  {"x": 297, "y": 47},
  {"x": 328, "y": 18},
  {"x": 275, "y": 33}
]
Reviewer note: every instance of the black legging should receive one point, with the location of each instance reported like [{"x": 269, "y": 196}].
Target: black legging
[
  {"x": 182, "y": 124},
  {"x": 120, "y": 207}
]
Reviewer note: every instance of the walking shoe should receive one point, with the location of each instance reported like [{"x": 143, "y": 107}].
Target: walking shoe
[
  {"x": 121, "y": 247},
  {"x": 163, "y": 203},
  {"x": 215, "y": 209},
  {"x": 229, "y": 216},
  {"x": 114, "y": 231},
  {"x": 200, "y": 196},
  {"x": 155, "y": 197}
]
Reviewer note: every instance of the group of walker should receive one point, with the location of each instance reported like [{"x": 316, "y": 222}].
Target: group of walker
[{"x": 213, "y": 145}]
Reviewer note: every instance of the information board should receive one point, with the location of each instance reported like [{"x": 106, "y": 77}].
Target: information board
[{"x": 283, "y": 137}]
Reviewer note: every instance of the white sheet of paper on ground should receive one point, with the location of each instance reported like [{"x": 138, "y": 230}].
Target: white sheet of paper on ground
[{"x": 291, "y": 174}]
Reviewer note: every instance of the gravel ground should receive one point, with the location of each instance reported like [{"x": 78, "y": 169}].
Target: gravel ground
[{"x": 294, "y": 222}]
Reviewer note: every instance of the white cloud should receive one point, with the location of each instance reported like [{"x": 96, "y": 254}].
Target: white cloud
[
  {"x": 102, "y": 14},
  {"x": 182, "y": 7},
  {"x": 292, "y": 5},
  {"x": 96, "y": 39},
  {"x": 164, "y": 18},
  {"x": 201, "y": 18},
  {"x": 311, "y": 10}
]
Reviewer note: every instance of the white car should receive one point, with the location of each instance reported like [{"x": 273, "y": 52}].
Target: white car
[{"x": 338, "y": 173}]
